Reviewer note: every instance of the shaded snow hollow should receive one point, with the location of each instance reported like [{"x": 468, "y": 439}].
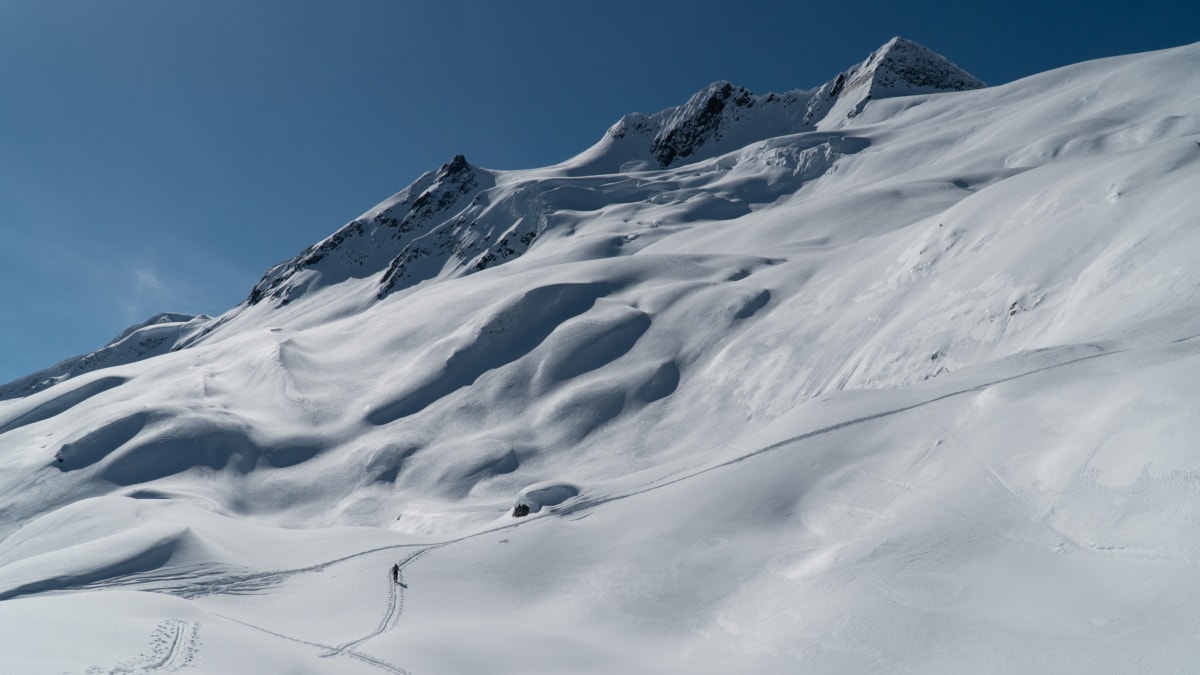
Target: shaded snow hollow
[{"x": 890, "y": 375}]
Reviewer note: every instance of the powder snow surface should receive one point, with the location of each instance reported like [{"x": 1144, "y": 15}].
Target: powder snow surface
[{"x": 911, "y": 389}]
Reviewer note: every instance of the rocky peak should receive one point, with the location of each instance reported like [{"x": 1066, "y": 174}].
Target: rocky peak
[
  {"x": 454, "y": 179},
  {"x": 723, "y": 117},
  {"x": 699, "y": 120},
  {"x": 714, "y": 117},
  {"x": 368, "y": 244},
  {"x": 900, "y": 67}
]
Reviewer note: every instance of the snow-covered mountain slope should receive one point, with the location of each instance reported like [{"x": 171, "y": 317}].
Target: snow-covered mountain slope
[
  {"x": 157, "y": 335},
  {"x": 908, "y": 389},
  {"x": 458, "y": 220}
]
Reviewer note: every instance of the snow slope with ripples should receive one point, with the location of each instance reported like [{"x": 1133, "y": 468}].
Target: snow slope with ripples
[{"x": 905, "y": 389}]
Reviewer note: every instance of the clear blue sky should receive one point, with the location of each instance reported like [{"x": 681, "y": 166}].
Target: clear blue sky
[{"x": 158, "y": 155}]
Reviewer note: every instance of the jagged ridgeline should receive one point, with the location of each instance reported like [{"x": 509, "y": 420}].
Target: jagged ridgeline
[
  {"x": 453, "y": 219},
  {"x": 442, "y": 216},
  {"x": 724, "y": 117},
  {"x": 457, "y": 220}
]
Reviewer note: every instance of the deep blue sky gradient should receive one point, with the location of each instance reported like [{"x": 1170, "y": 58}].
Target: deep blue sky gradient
[{"x": 159, "y": 155}]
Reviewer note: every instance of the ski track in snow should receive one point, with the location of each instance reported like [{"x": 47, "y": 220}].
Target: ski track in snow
[
  {"x": 234, "y": 584},
  {"x": 173, "y": 646},
  {"x": 653, "y": 485},
  {"x": 252, "y": 582},
  {"x": 391, "y": 615},
  {"x": 358, "y": 656},
  {"x": 171, "y": 634}
]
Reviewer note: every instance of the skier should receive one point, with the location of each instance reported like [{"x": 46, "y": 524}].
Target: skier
[{"x": 396, "y": 573}]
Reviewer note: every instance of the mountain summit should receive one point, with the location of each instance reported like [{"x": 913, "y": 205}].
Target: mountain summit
[
  {"x": 723, "y": 116},
  {"x": 902, "y": 67},
  {"x": 447, "y": 221},
  {"x": 899, "y": 68},
  {"x": 402, "y": 230}
]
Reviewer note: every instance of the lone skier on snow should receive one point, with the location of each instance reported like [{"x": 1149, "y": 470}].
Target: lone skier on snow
[{"x": 396, "y": 573}]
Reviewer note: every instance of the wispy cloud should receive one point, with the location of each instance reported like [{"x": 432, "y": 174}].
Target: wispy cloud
[
  {"x": 71, "y": 299},
  {"x": 166, "y": 283},
  {"x": 122, "y": 287},
  {"x": 148, "y": 289}
]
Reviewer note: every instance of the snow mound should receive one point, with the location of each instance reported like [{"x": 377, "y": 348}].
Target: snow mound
[{"x": 540, "y": 495}]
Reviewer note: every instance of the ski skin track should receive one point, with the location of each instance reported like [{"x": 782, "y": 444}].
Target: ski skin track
[
  {"x": 394, "y": 609},
  {"x": 182, "y": 636},
  {"x": 359, "y": 656}
]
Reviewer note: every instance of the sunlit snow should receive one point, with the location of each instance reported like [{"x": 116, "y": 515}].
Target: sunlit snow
[{"x": 906, "y": 386}]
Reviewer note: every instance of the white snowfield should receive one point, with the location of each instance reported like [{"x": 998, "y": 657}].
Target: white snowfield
[{"x": 909, "y": 386}]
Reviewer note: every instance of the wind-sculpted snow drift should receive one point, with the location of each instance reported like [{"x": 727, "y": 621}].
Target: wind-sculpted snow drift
[{"x": 891, "y": 374}]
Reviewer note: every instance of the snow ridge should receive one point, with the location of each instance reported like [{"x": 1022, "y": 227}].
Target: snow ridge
[
  {"x": 441, "y": 219},
  {"x": 157, "y": 335},
  {"x": 382, "y": 239},
  {"x": 900, "y": 67},
  {"x": 724, "y": 116}
]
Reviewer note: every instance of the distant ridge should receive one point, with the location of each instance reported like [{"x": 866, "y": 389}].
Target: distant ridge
[{"x": 156, "y": 335}]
